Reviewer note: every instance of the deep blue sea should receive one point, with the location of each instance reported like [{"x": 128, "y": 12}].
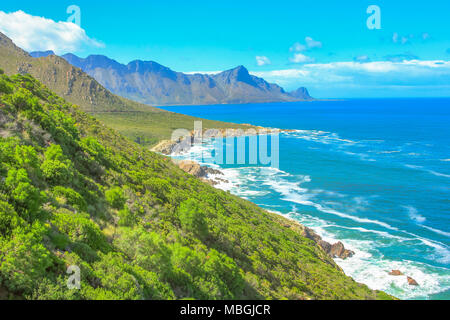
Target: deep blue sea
[{"x": 372, "y": 173}]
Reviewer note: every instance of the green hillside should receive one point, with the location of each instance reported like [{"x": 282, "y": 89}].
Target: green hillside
[
  {"x": 136, "y": 121},
  {"x": 74, "y": 192}
]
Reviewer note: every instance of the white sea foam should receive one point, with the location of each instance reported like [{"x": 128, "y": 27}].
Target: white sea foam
[
  {"x": 438, "y": 174},
  {"x": 370, "y": 267},
  {"x": 447, "y": 234},
  {"x": 414, "y": 215},
  {"x": 435, "y": 173},
  {"x": 293, "y": 193},
  {"x": 323, "y": 137}
]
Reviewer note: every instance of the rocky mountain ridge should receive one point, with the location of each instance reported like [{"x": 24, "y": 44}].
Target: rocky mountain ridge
[{"x": 151, "y": 83}]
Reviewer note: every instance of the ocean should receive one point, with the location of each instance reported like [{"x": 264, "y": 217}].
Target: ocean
[{"x": 372, "y": 173}]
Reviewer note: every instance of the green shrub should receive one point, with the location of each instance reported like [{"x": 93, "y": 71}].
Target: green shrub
[
  {"x": 24, "y": 262},
  {"x": 192, "y": 218},
  {"x": 56, "y": 168},
  {"x": 5, "y": 87},
  {"x": 79, "y": 228},
  {"x": 25, "y": 196},
  {"x": 26, "y": 157},
  {"x": 159, "y": 187},
  {"x": 72, "y": 197},
  {"x": 116, "y": 198},
  {"x": 55, "y": 152},
  {"x": 9, "y": 219},
  {"x": 128, "y": 282},
  {"x": 22, "y": 99},
  {"x": 56, "y": 172},
  {"x": 127, "y": 218}
]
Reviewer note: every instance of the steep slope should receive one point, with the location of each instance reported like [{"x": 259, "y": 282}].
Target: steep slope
[
  {"x": 151, "y": 83},
  {"x": 146, "y": 124},
  {"x": 66, "y": 80},
  {"x": 75, "y": 193}
]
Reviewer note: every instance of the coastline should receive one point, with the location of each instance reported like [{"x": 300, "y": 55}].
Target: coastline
[
  {"x": 329, "y": 244},
  {"x": 168, "y": 147},
  {"x": 214, "y": 177}
]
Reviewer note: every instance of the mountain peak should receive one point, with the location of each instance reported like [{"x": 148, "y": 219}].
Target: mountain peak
[
  {"x": 301, "y": 93},
  {"x": 240, "y": 68},
  {"x": 238, "y": 74}
]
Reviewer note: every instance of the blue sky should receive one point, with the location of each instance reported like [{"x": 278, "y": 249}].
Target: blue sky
[{"x": 324, "y": 44}]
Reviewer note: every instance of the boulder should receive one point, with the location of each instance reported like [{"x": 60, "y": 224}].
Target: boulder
[
  {"x": 338, "y": 251},
  {"x": 396, "y": 273},
  {"x": 193, "y": 168},
  {"x": 412, "y": 282}
]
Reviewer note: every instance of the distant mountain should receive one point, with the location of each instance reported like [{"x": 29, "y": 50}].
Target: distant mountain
[
  {"x": 41, "y": 54},
  {"x": 301, "y": 93},
  {"x": 151, "y": 83},
  {"x": 63, "y": 78}
]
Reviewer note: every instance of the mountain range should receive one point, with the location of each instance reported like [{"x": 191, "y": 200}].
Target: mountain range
[
  {"x": 139, "y": 122},
  {"x": 151, "y": 83}
]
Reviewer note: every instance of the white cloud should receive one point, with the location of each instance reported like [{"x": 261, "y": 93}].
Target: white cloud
[
  {"x": 301, "y": 58},
  {"x": 298, "y": 47},
  {"x": 406, "y": 39},
  {"x": 363, "y": 58},
  {"x": 262, "y": 61},
  {"x": 33, "y": 33},
  {"x": 376, "y": 74},
  {"x": 311, "y": 43}
]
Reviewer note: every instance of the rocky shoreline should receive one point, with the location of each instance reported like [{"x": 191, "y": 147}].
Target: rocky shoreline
[
  {"x": 336, "y": 250},
  {"x": 168, "y": 147},
  {"x": 204, "y": 173}
]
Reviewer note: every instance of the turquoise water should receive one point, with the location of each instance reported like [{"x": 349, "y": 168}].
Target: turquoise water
[{"x": 374, "y": 174}]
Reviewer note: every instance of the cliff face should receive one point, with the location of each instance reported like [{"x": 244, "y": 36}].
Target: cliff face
[{"x": 151, "y": 83}]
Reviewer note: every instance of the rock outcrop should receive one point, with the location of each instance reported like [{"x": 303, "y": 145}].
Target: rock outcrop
[
  {"x": 197, "y": 170},
  {"x": 396, "y": 273},
  {"x": 206, "y": 174},
  {"x": 336, "y": 250},
  {"x": 412, "y": 282}
]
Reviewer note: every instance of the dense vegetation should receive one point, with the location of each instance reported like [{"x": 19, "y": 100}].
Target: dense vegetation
[{"x": 74, "y": 192}]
